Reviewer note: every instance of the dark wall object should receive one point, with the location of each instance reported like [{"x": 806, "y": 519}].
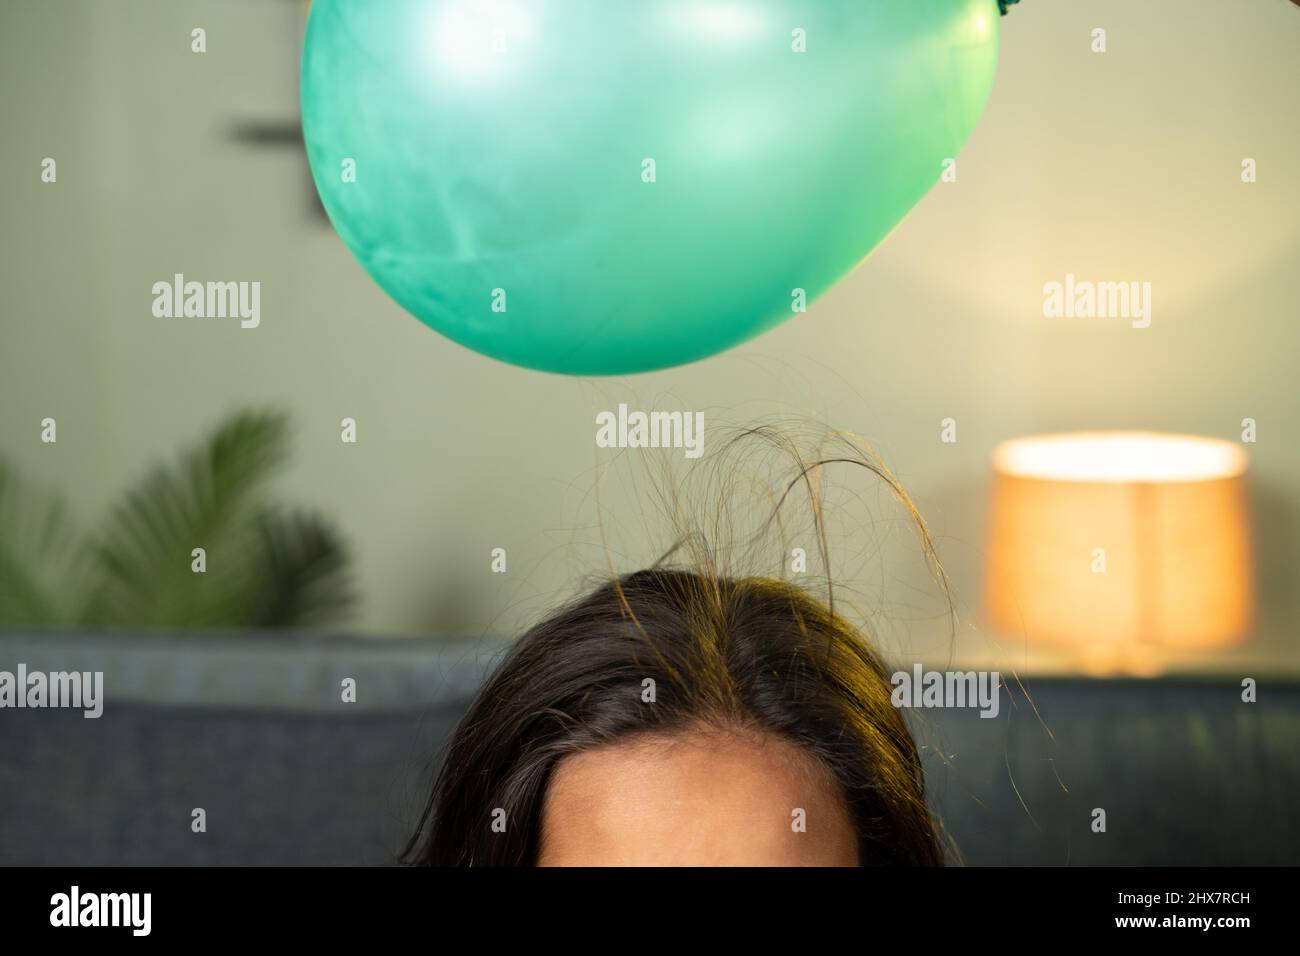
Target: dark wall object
[{"x": 252, "y": 729}]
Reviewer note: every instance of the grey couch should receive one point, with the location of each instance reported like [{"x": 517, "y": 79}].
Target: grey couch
[{"x": 252, "y": 729}]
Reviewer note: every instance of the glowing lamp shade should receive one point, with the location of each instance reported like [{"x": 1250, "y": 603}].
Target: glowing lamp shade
[{"x": 1103, "y": 539}]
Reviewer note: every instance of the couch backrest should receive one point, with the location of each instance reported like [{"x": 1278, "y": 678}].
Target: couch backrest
[{"x": 253, "y": 730}]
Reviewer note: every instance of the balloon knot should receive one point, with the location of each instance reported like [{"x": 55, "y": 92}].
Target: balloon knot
[{"x": 1003, "y": 4}]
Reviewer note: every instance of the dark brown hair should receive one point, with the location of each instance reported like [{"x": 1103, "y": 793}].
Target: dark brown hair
[{"x": 755, "y": 654}]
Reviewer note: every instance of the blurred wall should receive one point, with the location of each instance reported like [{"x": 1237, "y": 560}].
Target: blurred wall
[{"x": 1122, "y": 165}]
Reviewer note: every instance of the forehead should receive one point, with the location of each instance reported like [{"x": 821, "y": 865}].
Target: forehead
[{"x": 698, "y": 798}]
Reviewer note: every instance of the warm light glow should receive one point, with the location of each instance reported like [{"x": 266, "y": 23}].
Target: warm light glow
[
  {"x": 1115, "y": 541},
  {"x": 1120, "y": 457}
]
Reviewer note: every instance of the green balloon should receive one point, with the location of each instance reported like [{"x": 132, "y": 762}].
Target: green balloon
[{"x": 609, "y": 186}]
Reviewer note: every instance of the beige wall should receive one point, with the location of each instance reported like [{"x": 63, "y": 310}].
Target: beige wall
[{"x": 1116, "y": 166}]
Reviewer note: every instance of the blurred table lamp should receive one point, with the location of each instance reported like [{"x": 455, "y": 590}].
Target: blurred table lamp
[{"x": 1120, "y": 545}]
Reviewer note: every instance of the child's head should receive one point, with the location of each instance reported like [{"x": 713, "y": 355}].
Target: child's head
[{"x": 683, "y": 718}]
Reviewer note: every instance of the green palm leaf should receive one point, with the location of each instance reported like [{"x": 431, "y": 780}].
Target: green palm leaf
[
  {"x": 263, "y": 567},
  {"x": 305, "y": 577},
  {"x": 42, "y": 562},
  {"x": 208, "y": 500}
]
